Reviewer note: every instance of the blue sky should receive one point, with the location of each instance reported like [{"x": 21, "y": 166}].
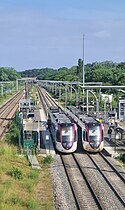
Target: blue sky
[{"x": 49, "y": 33}]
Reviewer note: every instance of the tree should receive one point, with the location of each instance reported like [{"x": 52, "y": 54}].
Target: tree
[
  {"x": 80, "y": 66},
  {"x": 8, "y": 74}
]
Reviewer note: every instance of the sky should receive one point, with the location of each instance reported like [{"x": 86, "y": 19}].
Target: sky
[{"x": 49, "y": 33}]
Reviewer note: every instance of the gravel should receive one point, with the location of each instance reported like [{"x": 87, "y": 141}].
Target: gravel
[{"x": 63, "y": 196}]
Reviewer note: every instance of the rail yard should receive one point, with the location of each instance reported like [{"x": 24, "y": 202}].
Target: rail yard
[{"x": 81, "y": 180}]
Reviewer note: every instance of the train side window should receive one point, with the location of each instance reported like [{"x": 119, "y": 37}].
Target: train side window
[
  {"x": 85, "y": 136},
  {"x": 86, "y": 139},
  {"x": 75, "y": 136},
  {"x": 102, "y": 135},
  {"x": 58, "y": 136}
]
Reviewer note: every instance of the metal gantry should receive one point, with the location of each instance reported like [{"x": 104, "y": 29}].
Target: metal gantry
[{"x": 89, "y": 87}]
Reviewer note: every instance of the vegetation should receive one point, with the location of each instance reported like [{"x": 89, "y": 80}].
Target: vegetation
[
  {"x": 8, "y": 74},
  {"x": 12, "y": 136},
  {"x": 39, "y": 73},
  {"x": 121, "y": 158},
  {"x": 4, "y": 98},
  {"x": 47, "y": 160},
  {"x": 106, "y": 72},
  {"x": 21, "y": 187}
]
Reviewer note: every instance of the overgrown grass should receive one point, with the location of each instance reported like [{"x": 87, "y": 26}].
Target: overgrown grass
[
  {"x": 6, "y": 97},
  {"x": 16, "y": 173},
  {"x": 21, "y": 187},
  {"x": 47, "y": 160},
  {"x": 12, "y": 136}
]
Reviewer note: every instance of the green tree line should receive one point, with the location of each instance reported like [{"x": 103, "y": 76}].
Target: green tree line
[
  {"x": 107, "y": 72},
  {"x": 8, "y": 74}
]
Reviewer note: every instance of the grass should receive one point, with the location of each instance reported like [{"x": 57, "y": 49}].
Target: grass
[
  {"x": 4, "y": 98},
  {"x": 47, "y": 160},
  {"x": 21, "y": 187}
]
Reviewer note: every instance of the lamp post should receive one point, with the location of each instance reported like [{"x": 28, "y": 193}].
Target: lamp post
[
  {"x": 72, "y": 88},
  {"x": 97, "y": 102},
  {"x": 65, "y": 96}
]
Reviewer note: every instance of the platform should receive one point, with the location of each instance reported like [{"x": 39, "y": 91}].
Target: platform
[
  {"x": 45, "y": 144},
  {"x": 112, "y": 148}
]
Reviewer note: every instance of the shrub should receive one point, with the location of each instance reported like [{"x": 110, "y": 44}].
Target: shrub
[
  {"x": 48, "y": 159},
  {"x": 16, "y": 173},
  {"x": 12, "y": 136},
  {"x": 121, "y": 157}
]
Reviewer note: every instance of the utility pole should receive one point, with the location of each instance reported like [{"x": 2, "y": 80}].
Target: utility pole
[
  {"x": 87, "y": 102},
  {"x": 83, "y": 78}
]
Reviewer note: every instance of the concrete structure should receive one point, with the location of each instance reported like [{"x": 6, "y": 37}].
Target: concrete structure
[
  {"x": 34, "y": 132},
  {"x": 122, "y": 109}
]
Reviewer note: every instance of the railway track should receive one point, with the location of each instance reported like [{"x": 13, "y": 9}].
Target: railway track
[
  {"x": 7, "y": 112},
  {"x": 6, "y": 104},
  {"x": 46, "y": 101},
  {"x": 106, "y": 181},
  {"x": 94, "y": 181},
  {"x": 49, "y": 100},
  {"x": 111, "y": 175},
  {"x": 83, "y": 193}
]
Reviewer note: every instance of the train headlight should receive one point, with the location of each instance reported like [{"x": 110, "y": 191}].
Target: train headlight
[
  {"x": 94, "y": 145},
  {"x": 67, "y": 145}
]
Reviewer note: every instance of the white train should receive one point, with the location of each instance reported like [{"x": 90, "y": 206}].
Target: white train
[
  {"x": 91, "y": 130},
  {"x": 63, "y": 130}
]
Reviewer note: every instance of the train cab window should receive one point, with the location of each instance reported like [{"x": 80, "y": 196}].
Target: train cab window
[
  {"x": 58, "y": 136},
  {"x": 94, "y": 133}
]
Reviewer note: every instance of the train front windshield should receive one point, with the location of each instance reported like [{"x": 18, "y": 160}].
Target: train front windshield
[
  {"x": 94, "y": 135},
  {"x": 67, "y": 136}
]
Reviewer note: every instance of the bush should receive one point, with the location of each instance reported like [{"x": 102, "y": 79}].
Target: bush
[
  {"x": 48, "y": 159},
  {"x": 121, "y": 157},
  {"x": 12, "y": 136},
  {"x": 16, "y": 173}
]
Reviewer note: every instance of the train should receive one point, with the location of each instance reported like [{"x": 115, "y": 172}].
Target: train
[
  {"x": 92, "y": 130},
  {"x": 63, "y": 130}
]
